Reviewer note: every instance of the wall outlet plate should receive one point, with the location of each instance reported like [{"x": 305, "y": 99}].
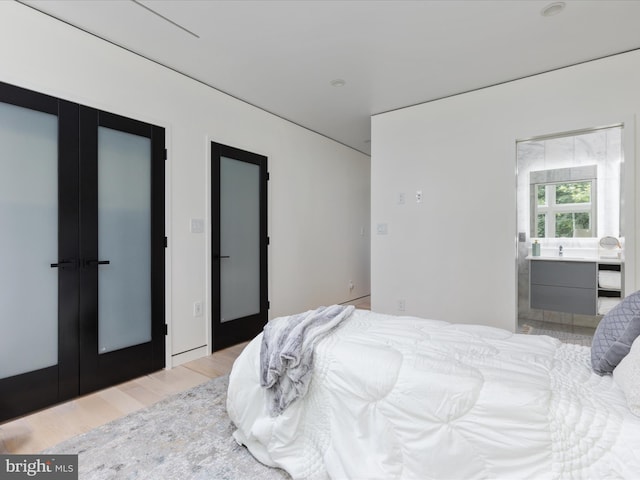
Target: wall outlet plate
[{"x": 197, "y": 225}]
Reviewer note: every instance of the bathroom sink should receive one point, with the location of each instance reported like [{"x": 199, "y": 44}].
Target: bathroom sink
[
  {"x": 568, "y": 254},
  {"x": 570, "y": 258}
]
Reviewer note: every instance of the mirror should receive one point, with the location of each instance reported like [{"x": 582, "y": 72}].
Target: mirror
[
  {"x": 563, "y": 202},
  {"x": 569, "y": 184},
  {"x": 610, "y": 243}
]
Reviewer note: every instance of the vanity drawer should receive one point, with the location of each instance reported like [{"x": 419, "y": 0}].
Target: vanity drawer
[
  {"x": 563, "y": 274},
  {"x": 563, "y": 299}
]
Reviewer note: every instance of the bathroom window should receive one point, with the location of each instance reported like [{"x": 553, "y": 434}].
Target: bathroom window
[
  {"x": 561, "y": 206},
  {"x": 564, "y": 209}
]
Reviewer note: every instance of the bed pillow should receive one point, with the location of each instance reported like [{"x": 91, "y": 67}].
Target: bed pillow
[
  {"x": 615, "y": 333},
  {"x": 627, "y": 376}
]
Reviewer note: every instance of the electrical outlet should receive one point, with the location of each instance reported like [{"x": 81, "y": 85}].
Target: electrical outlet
[
  {"x": 197, "y": 309},
  {"x": 401, "y": 305},
  {"x": 402, "y": 198},
  {"x": 351, "y": 285},
  {"x": 419, "y": 196}
]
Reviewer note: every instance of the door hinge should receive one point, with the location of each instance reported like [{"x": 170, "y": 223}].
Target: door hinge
[
  {"x": 268, "y": 305},
  {"x": 166, "y": 154},
  {"x": 268, "y": 240},
  {"x": 166, "y": 242},
  {"x": 166, "y": 329},
  {"x": 268, "y": 176}
]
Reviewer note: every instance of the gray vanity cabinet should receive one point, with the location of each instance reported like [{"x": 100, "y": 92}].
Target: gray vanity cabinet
[{"x": 569, "y": 287}]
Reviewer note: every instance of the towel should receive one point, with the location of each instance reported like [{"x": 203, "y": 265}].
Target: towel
[
  {"x": 605, "y": 304},
  {"x": 609, "y": 279},
  {"x": 286, "y": 354}
]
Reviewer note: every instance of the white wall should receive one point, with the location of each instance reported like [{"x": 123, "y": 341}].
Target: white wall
[
  {"x": 453, "y": 257},
  {"x": 319, "y": 189}
]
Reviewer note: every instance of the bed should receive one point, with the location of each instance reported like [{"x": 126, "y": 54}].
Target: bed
[{"x": 405, "y": 397}]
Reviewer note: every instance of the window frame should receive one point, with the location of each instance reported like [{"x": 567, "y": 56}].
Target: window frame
[
  {"x": 551, "y": 208},
  {"x": 551, "y": 178}
]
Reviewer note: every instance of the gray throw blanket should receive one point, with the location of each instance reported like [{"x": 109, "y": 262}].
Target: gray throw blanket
[{"x": 286, "y": 354}]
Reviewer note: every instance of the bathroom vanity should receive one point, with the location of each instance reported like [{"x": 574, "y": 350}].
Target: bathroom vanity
[{"x": 571, "y": 285}]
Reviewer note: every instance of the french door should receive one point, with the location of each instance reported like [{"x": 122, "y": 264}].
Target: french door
[
  {"x": 81, "y": 249},
  {"x": 239, "y": 245}
]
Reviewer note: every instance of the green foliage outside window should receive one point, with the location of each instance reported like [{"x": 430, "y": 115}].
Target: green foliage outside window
[
  {"x": 542, "y": 194},
  {"x": 575, "y": 192},
  {"x": 567, "y": 223},
  {"x": 541, "y": 227}
]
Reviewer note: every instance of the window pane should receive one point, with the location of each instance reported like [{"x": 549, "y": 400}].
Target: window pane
[
  {"x": 542, "y": 194},
  {"x": 541, "y": 232},
  {"x": 564, "y": 225},
  {"x": 582, "y": 220},
  {"x": 573, "y": 224},
  {"x": 574, "y": 192},
  {"x": 28, "y": 240},
  {"x": 239, "y": 239},
  {"x": 124, "y": 229}
]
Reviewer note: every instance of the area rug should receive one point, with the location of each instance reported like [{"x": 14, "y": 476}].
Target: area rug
[{"x": 185, "y": 436}]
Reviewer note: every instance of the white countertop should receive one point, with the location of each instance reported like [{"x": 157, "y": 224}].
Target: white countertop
[{"x": 569, "y": 258}]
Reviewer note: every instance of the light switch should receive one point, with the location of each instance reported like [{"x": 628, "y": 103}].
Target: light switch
[
  {"x": 197, "y": 225},
  {"x": 381, "y": 229}
]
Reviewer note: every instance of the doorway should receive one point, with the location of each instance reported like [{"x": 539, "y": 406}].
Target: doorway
[
  {"x": 82, "y": 249},
  {"x": 568, "y": 197},
  {"x": 239, "y": 245}
]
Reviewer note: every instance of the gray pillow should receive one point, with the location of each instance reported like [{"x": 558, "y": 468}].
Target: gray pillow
[{"x": 615, "y": 333}]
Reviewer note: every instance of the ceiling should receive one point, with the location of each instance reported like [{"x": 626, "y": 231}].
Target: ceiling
[{"x": 282, "y": 56}]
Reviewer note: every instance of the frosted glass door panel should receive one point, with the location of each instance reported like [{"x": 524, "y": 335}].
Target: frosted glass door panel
[
  {"x": 124, "y": 238},
  {"x": 239, "y": 239},
  {"x": 28, "y": 240}
]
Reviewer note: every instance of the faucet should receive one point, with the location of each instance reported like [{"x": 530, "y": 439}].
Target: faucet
[{"x": 560, "y": 251}]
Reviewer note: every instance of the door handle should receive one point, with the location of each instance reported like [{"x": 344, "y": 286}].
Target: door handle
[
  {"x": 90, "y": 263},
  {"x": 64, "y": 264},
  {"x": 218, "y": 257}
]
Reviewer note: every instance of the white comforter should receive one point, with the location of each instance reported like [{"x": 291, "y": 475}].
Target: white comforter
[{"x": 402, "y": 397}]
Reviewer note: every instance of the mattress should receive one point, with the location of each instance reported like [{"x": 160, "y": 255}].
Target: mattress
[{"x": 404, "y": 397}]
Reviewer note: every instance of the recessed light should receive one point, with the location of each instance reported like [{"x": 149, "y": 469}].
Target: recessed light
[
  {"x": 553, "y": 9},
  {"x": 338, "y": 82}
]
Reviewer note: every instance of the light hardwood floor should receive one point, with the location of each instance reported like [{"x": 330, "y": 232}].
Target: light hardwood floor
[
  {"x": 46, "y": 428},
  {"x": 32, "y": 433}
]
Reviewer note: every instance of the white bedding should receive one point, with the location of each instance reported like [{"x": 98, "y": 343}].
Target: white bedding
[{"x": 402, "y": 397}]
